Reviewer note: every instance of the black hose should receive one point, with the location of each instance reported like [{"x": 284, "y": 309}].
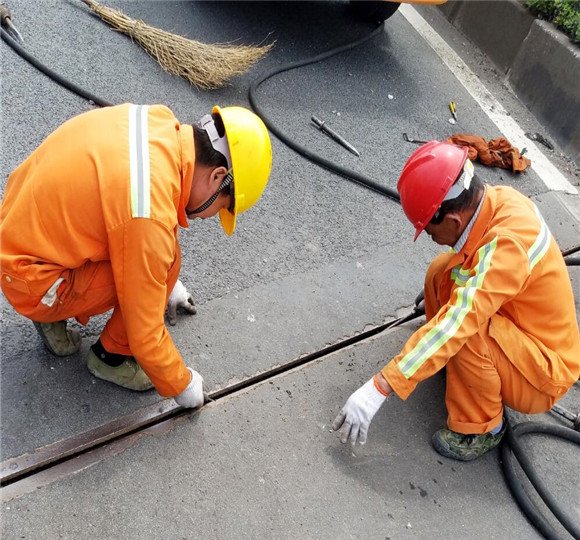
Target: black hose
[
  {"x": 511, "y": 445},
  {"x": 50, "y": 73},
  {"x": 302, "y": 150},
  {"x": 520, "y": 495}
]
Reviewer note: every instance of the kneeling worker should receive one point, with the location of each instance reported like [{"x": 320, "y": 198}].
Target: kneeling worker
[
  {"x": 89, "y": 222},
  {"x": 499, "y": 307}
]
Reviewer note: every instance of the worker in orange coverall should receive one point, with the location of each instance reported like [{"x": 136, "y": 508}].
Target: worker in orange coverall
[
  {"x": 89, "y": 222},
  {"x": 499, "y": 307}
]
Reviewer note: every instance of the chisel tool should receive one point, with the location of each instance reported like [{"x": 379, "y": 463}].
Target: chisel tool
[{"x": 333, "y": 135}]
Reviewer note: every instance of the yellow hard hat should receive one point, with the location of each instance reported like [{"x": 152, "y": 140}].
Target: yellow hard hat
[{"x": 251, "y": 160}]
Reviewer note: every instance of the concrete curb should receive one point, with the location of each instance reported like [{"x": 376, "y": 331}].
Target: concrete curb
[{"x": 541, "y": 64}]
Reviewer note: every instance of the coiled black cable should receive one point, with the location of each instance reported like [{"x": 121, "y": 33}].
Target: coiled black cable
[
  {"x": 51, "y": 73},
  {"x": 512, "y": 448}
]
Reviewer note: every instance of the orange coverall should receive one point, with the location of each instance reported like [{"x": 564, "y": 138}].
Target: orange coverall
[
  {"x": 89, "y": 222},
  {"x": 501, "y": 318}
]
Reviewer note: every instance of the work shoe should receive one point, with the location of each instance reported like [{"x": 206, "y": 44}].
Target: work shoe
[
  {"x": 465, "y": 447},
  {"x": 127, "y": 373},
  {"x": 59, "y": 339}
]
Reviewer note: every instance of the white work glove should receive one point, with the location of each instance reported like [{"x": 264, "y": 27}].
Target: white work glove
[
  {"x": 179, "y": 298},
  {"x": 192, "y": 396},
  {"x": 356, "y": 415}
]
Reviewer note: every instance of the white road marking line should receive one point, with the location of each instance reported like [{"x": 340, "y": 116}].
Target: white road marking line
[{"x": 548, "y": 173}]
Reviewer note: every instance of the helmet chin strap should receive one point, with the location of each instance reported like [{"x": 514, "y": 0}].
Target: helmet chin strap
[
  {"x": 220, "y": 144},
  {"x": 225, "y": 184}
]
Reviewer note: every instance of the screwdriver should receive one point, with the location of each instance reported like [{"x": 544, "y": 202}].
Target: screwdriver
[
  {"x": 333, "y": 135},
  {"x": 453, "y": 109}
]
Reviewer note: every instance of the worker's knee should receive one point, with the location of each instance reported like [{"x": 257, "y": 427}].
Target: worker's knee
[
  {"x": 528, "y": 400},
  {"x": 434, "y": 298},
  {"x": 26, "y": 305}
]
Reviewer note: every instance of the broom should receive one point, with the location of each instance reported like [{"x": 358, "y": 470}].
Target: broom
[{"x": 204, "y": 66}]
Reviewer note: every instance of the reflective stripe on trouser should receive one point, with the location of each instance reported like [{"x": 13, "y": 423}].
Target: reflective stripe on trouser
[
  {"x": 480, "y": 378},
  {"x": 86, "y": 291}
]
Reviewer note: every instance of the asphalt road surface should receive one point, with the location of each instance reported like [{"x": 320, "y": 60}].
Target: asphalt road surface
[{"x": 317, "y": 260}]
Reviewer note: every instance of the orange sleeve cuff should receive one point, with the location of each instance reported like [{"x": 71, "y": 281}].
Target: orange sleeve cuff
[
  {"x": 401, "y": 386},
  {"x": 180, "y": 379}
]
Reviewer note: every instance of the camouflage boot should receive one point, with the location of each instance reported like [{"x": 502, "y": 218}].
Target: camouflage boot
[
  {"x": 465, "y": 447},
  {"x": 59, "y": 339},
  {"x": 118, "y": 369}
]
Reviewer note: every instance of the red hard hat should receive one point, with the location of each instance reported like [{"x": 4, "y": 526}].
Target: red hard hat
[{"x": 426, "y": 178}]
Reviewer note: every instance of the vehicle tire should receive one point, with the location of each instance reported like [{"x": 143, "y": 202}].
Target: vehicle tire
[{"x": 373, "y": 11}]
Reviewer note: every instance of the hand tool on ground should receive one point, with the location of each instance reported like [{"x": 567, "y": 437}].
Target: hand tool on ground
[
  {"x": 540, "y": 138},
  {"x": 574, "y": 418},
  {"x": 453, "y": 109},
  {"x": 6, "y": 21},
  {"x": 414, "y": 141},
  {"x": 333, "y": 135}
]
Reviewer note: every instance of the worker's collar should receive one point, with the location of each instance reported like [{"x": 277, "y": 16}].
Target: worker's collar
[
  {"x": 187, "y": 147},
  {"x": 488, "y": 204},
  {"x": 463, "y": 238}
]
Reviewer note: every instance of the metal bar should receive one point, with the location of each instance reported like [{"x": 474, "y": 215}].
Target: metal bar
[
  {"x": 411, "y": 140},
  {"x": 14, "y": 468},
  {"x": 321, "y": 125},
  {"x": 563, "y": 412},
  {"x": 19, "y": 468},
  {"x": 574, "y": 418},
  {"x": 569, "y": 251}
]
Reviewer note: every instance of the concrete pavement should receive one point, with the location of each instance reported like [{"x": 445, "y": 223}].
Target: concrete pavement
[{"x": 263, "y": 464}]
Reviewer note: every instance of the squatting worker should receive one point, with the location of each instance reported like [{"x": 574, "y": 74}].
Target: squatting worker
[
  {"x": 89, "y": 222},
  {"x": 499, "y": 308}
]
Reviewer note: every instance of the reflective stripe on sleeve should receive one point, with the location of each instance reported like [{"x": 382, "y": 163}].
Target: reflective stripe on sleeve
[
  {"x": 139, "y": 161},
  {"x": 447, "y": 328},
  {"x": 542, "y": 243},
  {"x": 460, "y": 276}
]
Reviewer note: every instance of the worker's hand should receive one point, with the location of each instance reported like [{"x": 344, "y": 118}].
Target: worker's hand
[
  {"x": 356, "y": 415},
  {"x": 192, "y": 396},
  {"x": 179, "y": 299}
]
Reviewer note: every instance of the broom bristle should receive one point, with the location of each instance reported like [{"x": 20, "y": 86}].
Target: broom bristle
[{"x": 204, "y": 66}]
